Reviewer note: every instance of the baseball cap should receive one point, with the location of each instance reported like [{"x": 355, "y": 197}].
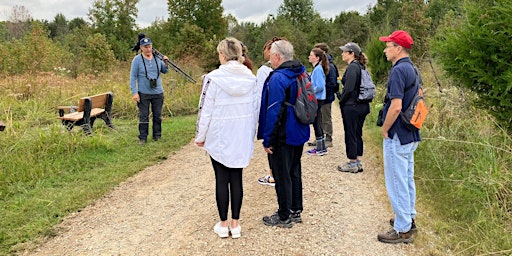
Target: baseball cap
[
  {"x": 145, "y": 41},
  {"x": 351, "y": 47},
  {"x": 399, "y": 37}
]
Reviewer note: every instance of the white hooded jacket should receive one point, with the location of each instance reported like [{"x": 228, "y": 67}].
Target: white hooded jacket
[{"x": 228, "y": 114}]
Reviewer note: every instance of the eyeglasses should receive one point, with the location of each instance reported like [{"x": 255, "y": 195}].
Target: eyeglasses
[{"x": 393, "y": 45}]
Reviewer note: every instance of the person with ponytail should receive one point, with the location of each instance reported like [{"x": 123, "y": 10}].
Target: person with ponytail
[
  {"x": 353, "y": 112},
  {"x": 318, "y": 58}
]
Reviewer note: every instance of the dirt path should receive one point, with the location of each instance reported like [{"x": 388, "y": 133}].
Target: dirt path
[{"x": 169, "y": 209}]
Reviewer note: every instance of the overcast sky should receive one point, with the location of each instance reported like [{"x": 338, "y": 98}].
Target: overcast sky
[{"x": 149, "y": 10}]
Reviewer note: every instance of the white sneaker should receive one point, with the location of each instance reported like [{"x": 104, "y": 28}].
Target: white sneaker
[
  {"x": 220, "y": 230},
  {"x": 235, "y": 232}
]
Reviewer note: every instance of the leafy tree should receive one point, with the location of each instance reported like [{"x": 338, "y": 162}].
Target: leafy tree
[
  {"x": 35, "y": 52},
  {"x": 475, "y": 50},
  {"x": 76, "y": 23},
  {"x": 95, "y": 58},
  {"x": 351, "y": 26},
  {"x": 59, "y": 27},
  {"x": 205, "y": 14},
  {"x": 116, "y": 20},
  {"x": 437, "y": 9},
  {"x": 298, "y": 12}
]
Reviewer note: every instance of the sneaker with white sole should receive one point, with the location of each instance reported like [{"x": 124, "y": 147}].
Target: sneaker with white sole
[
  {"x": 267, "y": 180},
  {"x": 295, "y": 216},
  {"x": 220, "y": 230},
  {"x": 315, "y": 152},
  {"x": 235, "y": 232}
]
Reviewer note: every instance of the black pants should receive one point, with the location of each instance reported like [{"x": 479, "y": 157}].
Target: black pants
[
  {"x": 353, "y": 120},
  {"x": 287, "y": 172},
  {"x": 156, "y": 102},
  {"x": 228, "y": 180},
  {"x": 317, "y": 125}
]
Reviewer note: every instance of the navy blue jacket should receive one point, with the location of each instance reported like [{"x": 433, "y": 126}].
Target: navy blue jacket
[{"x": 331, "y": 81}]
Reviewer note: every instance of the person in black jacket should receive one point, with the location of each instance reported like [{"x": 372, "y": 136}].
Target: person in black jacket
[{"x": 353, "y": 111}]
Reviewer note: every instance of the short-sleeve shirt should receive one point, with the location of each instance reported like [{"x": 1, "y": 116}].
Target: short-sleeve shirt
[{"x": 402, "y": 77}]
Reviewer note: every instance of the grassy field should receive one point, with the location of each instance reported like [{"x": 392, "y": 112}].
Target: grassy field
[{"x": 462, "y": 166}]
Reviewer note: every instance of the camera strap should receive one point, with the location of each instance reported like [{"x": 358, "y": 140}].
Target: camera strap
[{"x": 157, "y": 70}]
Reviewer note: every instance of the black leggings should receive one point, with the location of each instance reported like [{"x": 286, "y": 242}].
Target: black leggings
[{"x": 226, "y": 180}]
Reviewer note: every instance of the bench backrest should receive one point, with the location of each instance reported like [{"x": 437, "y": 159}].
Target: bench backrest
[{"x": 98, "y": 101}]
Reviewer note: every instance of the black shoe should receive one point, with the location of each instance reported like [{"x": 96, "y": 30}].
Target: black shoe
[
  {"x": 413, "y": 226},
  {"x": 142, "y": 142},
  {"x": 295, "y": 216},
  {"x": 274, "y": 220}
]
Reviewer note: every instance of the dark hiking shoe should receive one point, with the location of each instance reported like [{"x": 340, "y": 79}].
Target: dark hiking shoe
[
  {"x": 392, "y": 237},
  {"x": 295, "y": 216},
  {"x": 274, "y": 220},
  {"x": 413, "y": 226}
]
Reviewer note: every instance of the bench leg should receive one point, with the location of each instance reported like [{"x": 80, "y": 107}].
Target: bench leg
[
  {"x": 87, "y": 129},
  {"x": 68, "y": 124},
  {"x": 108, "y": 121}
]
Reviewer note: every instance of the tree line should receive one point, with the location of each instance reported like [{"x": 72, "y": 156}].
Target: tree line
[{"x": 469, "y": 39}]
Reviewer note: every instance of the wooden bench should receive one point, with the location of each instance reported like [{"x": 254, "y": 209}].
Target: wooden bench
[
  {"x": 2, "y": 126},
  {"x": 89, "y": 108}
]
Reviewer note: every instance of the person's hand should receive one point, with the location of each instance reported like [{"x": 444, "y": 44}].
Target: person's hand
[
  {"x": 268, "y": 150},
  {"x": 136, "y": 97},
  {"x": 200, "y": 144},
  {"x": 384, "y": 133}
]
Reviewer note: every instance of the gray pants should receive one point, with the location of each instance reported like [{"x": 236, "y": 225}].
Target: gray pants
[{"x": 327, "y": 121}]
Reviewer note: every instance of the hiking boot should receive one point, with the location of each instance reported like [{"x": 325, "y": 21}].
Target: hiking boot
[
  {"x": 295, "y": 216},
  {"x": 349, "y": 167},
  {"x": 359, "y": 167},
  {"x": 156, "y": 138},
  {"x": 267, "y": 180},
  {"x": 328, "y": 143},
  {"x": 392, "y": 237},
  {"x": 274, "y": 220},
  {"x": 315, "y": 152},
  {"x": 413, "y": 226},
  {"x": 142, "y": 142}
]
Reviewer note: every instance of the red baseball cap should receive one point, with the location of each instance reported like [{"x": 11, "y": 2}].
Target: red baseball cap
[{"x": 399, "y": 37}]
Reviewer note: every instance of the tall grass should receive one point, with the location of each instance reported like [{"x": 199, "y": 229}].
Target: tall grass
[
  {"x": 47, "y": 172},
  {"x": 463, "y": 175}
]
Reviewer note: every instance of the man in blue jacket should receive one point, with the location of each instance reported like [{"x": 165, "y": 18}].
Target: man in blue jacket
[{"x": 283, "y": 135}]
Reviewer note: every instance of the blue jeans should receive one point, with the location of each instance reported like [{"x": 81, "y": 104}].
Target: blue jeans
[{"x": 399, "y": 176}]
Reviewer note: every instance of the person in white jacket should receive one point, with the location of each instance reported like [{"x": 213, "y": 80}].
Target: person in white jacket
[{"x": 226, "y": 127}]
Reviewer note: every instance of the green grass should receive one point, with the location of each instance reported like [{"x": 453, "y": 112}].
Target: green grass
[
  {"x": 48, "y": 173},
  {"x": 463, "y": 176}
]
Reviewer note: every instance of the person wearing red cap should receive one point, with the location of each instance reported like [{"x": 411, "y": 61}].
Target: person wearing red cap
[{"x": 399, "y": 142}]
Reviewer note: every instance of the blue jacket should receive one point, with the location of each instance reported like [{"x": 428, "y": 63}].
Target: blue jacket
[
  {"x": 318, "y": 81},
  {"x": 275, "y": 128}
]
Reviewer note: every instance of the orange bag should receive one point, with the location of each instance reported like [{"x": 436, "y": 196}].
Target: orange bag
[{"x": 414, "y": 116}]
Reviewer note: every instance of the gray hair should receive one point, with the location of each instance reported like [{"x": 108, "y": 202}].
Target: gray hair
[{"x": 283, "y": 48}]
